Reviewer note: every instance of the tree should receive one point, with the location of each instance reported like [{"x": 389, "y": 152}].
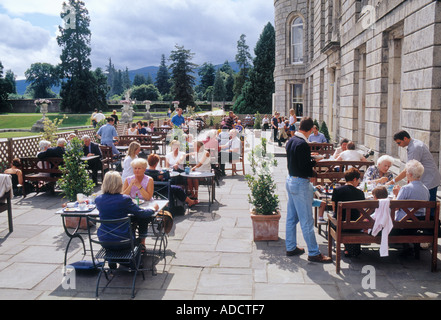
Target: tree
[
  {"x": 5, "y": 89},
  {"x": 207, "y": 72},
  {"x": 145, "y": 92},
  {"x": 10, "y": 77},
  {"x": 139, "y": 80},
  {"x": 163, "y": 78},
  {"x": 182, "y": 79},
  {"x": 219, "y": 86},
  {"x": 80, "y": 91},
  {"x": 258, "y": 92},
  {"x": 243, "y": 59},
  {"x": 42, "y": 76}
]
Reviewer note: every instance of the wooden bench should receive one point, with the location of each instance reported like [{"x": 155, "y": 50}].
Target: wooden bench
[
  {"x": 329, "y": 171},
  {"x": 6, "y": 205},
  {"x": 144, "y": 140},
  {"x": 325, "y": 149},
  {"x": 38, "y": 171},
  {"x": 349, "y": 232}
]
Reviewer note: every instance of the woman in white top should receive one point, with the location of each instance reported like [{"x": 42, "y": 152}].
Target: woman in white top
[
  {"x": 175, "y": 159},
  {"x": 132, "y": 154},
  {"x": 133, "y": 131},
  {"x": 203, "y": 164},
  {"x": 292, "y": 121},
  {"x": 351, "y": 154}
]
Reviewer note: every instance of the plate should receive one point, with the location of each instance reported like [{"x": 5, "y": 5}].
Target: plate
[
  {"x": 140, "y": 201},
  {"x": 195, "y": 173},
  {"x": 89, "y": 208}
]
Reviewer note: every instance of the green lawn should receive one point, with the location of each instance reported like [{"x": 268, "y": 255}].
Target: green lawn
[{"x": 27, "y": 120}]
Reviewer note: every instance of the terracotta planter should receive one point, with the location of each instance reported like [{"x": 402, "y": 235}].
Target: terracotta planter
[{"x": 266, "y": 227}]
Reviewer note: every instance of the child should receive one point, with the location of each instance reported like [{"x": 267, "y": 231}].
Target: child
[{"x": 380, "y": 193}]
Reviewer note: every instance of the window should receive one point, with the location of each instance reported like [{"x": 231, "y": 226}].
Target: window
[
  {"x": 297, "y": 98},
  {"x": 297, "y": 41}
]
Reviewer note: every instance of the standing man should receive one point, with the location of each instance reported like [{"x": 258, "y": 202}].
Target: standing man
[
  {"x": 300, "y": 194},
  {"x": 417, "y": 150},
  {"x": 107, "y": 133},
  {"x": 178, "y": 120}
]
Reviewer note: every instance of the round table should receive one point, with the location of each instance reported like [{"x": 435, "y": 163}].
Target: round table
[{"x": 203, "y": 175}]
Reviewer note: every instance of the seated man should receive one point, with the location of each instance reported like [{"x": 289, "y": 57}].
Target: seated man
[
  {"x": 317, "y": 136},
  {"x": 92, "y": 149},
  {"x": 349, "y": 192},
  {"x": 56, "y": 152}
]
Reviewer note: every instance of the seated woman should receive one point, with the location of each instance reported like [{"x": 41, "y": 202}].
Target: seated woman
[
  {"x": 114, "y": 205},
  {"x": 351, "y": 154},
  {"x": 139, "y": 184},
  {"x": 414, "y": 190},
  {"x": 132, "y": 154},
  {"x": 175, "y": 191},
  {"x": 339, "y": 150},
  {"x": 175, "y": 159},
  {"x": 203, "y": 164},
  {"x": 380, "y": 173},
  {"x": 349, "y": 192},
  {"x": 133, "y": 130},
  {"x": 230, "y": 152},
  {"x": 17, "y": 176}
]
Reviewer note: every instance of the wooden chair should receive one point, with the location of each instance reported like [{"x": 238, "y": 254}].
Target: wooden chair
[
  {"x": 234, "y": 168},
  {"x": 6, "y": 205}
]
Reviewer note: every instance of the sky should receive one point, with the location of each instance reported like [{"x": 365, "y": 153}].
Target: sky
[{"x": 135, "y": 33}]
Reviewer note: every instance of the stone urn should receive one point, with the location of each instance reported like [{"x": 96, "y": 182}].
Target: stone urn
[
  {"x": 44, "y": 109},
  {"x": 147, "y": 115},
  {"x": 266, "y": 227}
]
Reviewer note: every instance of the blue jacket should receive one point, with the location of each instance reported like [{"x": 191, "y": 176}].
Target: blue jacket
[{"x": 118, "y": 206}]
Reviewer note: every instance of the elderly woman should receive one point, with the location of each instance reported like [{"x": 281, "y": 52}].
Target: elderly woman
[
  {"x": 380, "y": 173},
  {"x": 132, "y": 154},
  {"x": 414, "y": 190},
  {"x": 139, "y": 184},
  {"x": 114, "y": 205}
]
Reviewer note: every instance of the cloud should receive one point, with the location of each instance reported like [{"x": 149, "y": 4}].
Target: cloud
[
  {"x": 22, "y": 44},
  {"x": 136, "y": 33}
]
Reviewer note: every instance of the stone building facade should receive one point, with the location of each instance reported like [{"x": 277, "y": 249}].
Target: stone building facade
[{"x": 368, "y": 68}]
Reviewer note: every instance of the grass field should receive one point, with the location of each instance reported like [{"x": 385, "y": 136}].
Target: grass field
[{"x": 27, "y": 120}]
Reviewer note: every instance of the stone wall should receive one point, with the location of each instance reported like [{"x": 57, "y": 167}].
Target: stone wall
[{"x": 371, "y": 68}]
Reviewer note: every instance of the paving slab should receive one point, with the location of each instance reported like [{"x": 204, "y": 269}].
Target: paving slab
[{"x": 210, "y": 256}]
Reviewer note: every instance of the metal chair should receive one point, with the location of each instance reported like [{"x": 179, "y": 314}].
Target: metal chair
[
  {"x": 7, "y": 206},
  {"x": 123, "y": 251}
]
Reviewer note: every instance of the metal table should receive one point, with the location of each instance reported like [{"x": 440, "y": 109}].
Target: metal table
[{"x": 94, "y": 213}]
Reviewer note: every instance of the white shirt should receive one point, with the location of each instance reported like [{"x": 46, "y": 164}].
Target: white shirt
[
  {"x": 172, "y": 160},
  {"x": 127, "y": 168},
  {"x": 99, "y": 117},
  {"x": 351, "y": 155}
]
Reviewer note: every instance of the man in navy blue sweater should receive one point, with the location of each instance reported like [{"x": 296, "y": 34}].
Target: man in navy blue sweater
[{"x": 300, "y": 194}]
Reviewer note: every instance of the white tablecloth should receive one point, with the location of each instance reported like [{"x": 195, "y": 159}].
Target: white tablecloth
[{"x": 5, "y": 184}]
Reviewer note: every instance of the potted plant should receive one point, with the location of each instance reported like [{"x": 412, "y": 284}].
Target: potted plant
[
  {"x": 265, "y": 213},
  {"x": 75, "y": 178}
]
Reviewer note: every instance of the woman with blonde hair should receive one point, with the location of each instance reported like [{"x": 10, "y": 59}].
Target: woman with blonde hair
[
  {"x": 139, "y": 184},
  {"x": 132, "y": 154},
  {"x": 111, "y": 205}
]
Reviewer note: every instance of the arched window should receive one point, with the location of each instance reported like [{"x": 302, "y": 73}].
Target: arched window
[{"x": 297, "y": 41}]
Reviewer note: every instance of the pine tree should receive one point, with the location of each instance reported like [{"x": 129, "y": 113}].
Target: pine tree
[
  {"x": 79, "y": 93},
  {"x": 183, "y": 80},
  {"x": 163, "y": 78},
  {"x": 258, "y": 95}
]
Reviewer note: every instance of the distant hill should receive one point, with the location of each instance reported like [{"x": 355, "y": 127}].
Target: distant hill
[{"x": 22, "y": 84}]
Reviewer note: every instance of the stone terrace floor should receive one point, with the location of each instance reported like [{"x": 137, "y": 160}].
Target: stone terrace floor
[{"x": 210, "y": 256}]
